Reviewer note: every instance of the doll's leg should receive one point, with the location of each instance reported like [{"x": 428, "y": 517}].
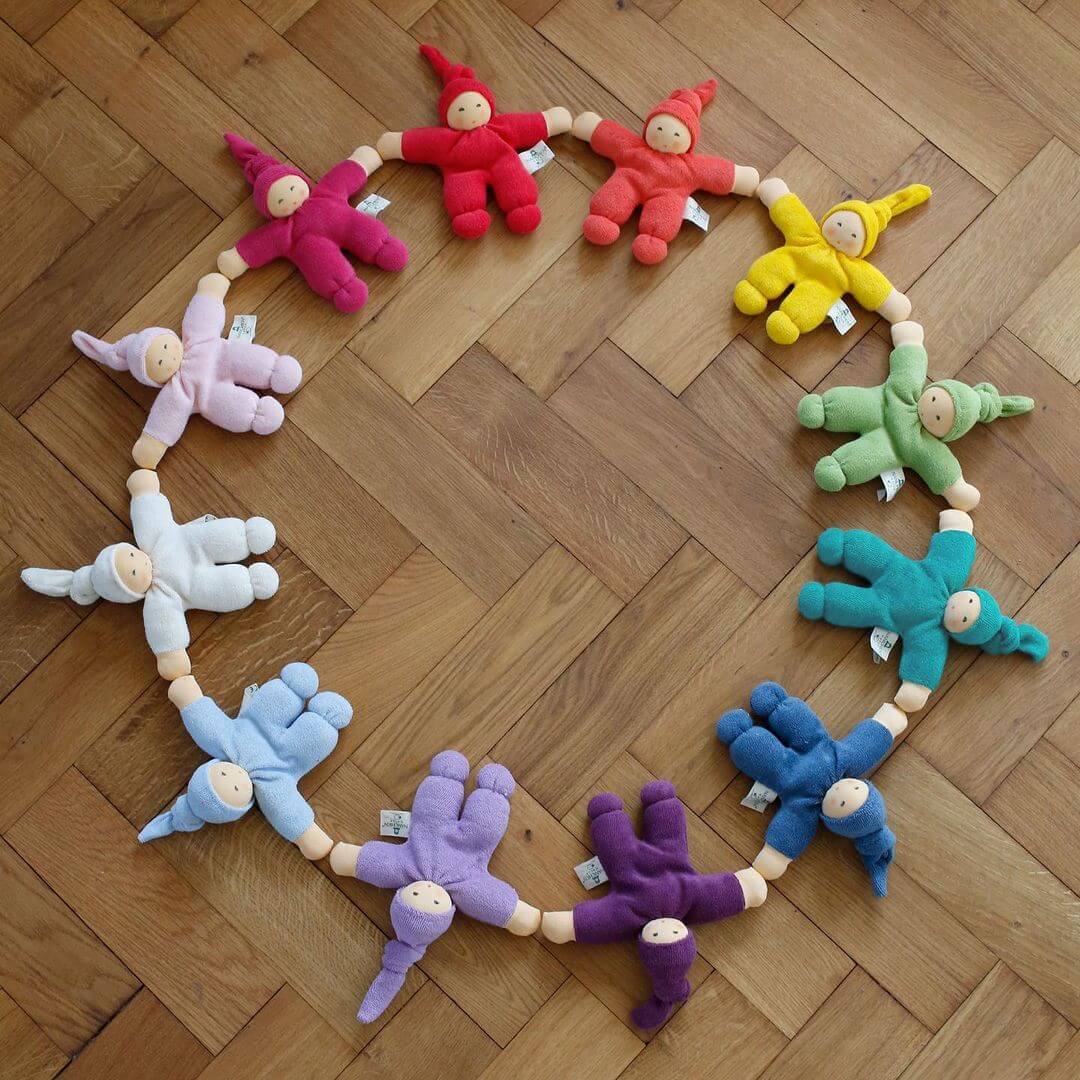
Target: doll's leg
[
  {"x": 370, "y": 241},
  {"x": 762, "y": 756},
  {"x": 661, "y": 217},
  {"x": 231, "y": 587},
  {"x": 262, "y": 368},
  {"x": 439, "y": 797},
  {"x": 329, "y": 273},
  {"x": 853, "y": 409},
  {"x": 856, "y": 461},
  {"x": 486, "y": 812},
  {"x": 310, "y": 740},
  {"x": 612, "y": 832},
  {"x": 236, "y": 408},
  {"x": 230, "y": 540},
  {"x": 768, "y": 276},
  {"x": 803, "y": 309},
  {"x": 517, "y": 194},
  {"x": 615, "y": 200},
  {"x": 465, "y": 199},
  {"x": 863, "y": 553},
  {"x": 840, "y": 604},
  {"x": 664, "y": 819},
  {"x": 792, "y": 720}
]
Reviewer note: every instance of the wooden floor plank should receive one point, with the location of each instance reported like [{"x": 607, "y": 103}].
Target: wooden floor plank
[{"x": 25, "y": 1050}]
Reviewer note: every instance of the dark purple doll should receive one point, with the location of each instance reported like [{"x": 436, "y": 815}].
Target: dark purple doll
[
  {"x": 440, "y": 869},
  {"x": 655, "y": 892}
]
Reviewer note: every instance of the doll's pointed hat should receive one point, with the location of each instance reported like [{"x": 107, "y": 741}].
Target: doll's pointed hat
[
  {"x": 456, "y": 79},
  {"x": 873, "y": 839},
  {"x": 260, "y": 169},
  {"x": 99, "y": 580},
  {"x": 127, "y": 354},
  {"x": 876, "y": 215},
  {"x": 667, "y": 966},
  {"x": 981, "y": 403},
  {"x": 686, "y": 105},
  {"x": 198, "y": 806},
  {"x": 994, "y": 632}
]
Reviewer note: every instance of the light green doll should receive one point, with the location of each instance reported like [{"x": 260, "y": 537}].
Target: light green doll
[{"x": 905, "y": 422}]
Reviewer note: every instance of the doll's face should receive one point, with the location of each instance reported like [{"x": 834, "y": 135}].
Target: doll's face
[
  {"x": 133, "y": 567},
  {"x": 937, "y": 411},
  {"x": 668, "y": 134},
  {"x": 844, "y": 230},
  {"x": 427, "y": 896},
  {"x": 164, "y": 355},
  {"x": 844, "y": 798},
  {"x": 663, "y": 932},
  {"x": 467, "y": 111},
  {"x": 231, "y": 783},
  {"x": 962, "y": 611},
  {"x": 286, "y": 195}
]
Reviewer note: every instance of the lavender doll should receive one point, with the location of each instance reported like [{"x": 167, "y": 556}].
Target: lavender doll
[{"x": 441, "y": 868}]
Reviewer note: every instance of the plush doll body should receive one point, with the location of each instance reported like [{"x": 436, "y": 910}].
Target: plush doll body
[
  {"x": 477, "y": 148},
  {"x": 442, "y": 868},
  {"x": 823, "y": 262},
  {"x": 927, "y": 602},
  {"x": 905, "y": 422},
  {"x": 815, "y": 777},
  {"x": 172, "y": 568},
  {"x": 655, "y": 893},
  {"x": 282, "y": 732},
  {"x": 202, "y": 372},
  {"x": 658, "y": 171},
  {"x": 310, "y": 225}
]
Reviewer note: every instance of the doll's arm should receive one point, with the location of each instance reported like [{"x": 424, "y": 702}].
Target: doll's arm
[
  {"x": 205, "y": 314},
  {"x": 422, "y": 146},
  {"x": 922, "y": 663},
  {"x": 347, "y": 177},
  {"x": 873, "y": 290},
  {"x": 908, "y": 360},
  {"x": 255, "y": 249},
  {"x": 522, "y": 130},
  {"x": 715, "y": 174},
  {"x": 167, "y": 419},
  {"x": 789, "y": 833},
  {"x": 952, "y": 548},
  {"x": 790, "y": 216},
  {"x": 387, "y": 866},
  {"x": 150, "y": 511},
  {"x": 489, "y": 899},
  {"x": 606, "y": 137},
  {"x": 167, "y": 634},
  {"x": 207, "y": 724},
  {"x": 718, "y": 896},
  {"x": 869, "y": 741},
  {"x": 288, "y": 811}
]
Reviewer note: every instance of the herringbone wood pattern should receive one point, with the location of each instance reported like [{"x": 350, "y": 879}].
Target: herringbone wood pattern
[{"x": 545, "y": 505}]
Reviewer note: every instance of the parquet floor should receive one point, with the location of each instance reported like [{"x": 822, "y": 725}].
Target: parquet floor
[{"x": 547, "y": 506}]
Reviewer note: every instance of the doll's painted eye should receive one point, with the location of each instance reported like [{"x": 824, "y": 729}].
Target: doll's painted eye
[
  {"x": 937, "y": 417},
  {"x": 415, "y": 893},
  {"x": 843, "y": 802},
  {"x": 461, "y": 108},
  {"x": 965, "y": 618},
  {"x": 655, "y": 933},
  {"x": 478, "y": 105},
  {"x": 854, "y": 237}
]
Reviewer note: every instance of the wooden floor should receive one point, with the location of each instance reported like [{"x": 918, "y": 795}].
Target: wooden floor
[{"x": 547, "y": 506}]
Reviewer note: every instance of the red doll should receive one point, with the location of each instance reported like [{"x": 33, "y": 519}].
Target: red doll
[
  {"x": 657, "y": 171},
  {"x": 477, "y": 148}
]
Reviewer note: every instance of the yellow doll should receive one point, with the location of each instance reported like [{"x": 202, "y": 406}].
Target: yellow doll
[{"x": 823, "y": 262}]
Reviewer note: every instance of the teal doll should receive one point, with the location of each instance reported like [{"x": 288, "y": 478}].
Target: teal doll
[
  {"x": 905, "y": 422},
  {"x": 926, "y": 602}
]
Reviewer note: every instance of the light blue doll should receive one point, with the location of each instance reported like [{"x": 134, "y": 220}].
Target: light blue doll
[{"x": 283, "y": 730}]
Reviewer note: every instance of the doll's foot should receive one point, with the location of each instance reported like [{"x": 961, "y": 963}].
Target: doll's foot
[
  {"x": 599, "y": 230},
  {"x": 450, "y": 764},
  {"x": 657, "y": 791},
  {"x": 732, "y": 724},
  {"x": 302, "y": 679},
  {"x": 496, "y": 778},
  {"x": 264, "y": 580},
  {"x": 350, "y": 296},
  {"x": 828, "y": 475},
  {"x": 393, "y": 255},
  {"x": 781, "y": 329},
  {"x": 812, "y": 600},
  {"x": 260, "y": 535},
  {"x": 286, "y": 375},
  {"x": 333, "y": 708},
  {"x": 471, "y": 224},
  {"x": 649, "y": 250},
  {"x": 811, "y": 411},
  {"x": 525, "y": 920},
  {"x": 269, "y": 416},
  {"x": 523, "y": 219},
  {"x": 830, "y": 547},
  {"x": 558, "y": 926},
  {"x": 766, "y": 698},
  {"x": 748, "y": 300},
  {"x": 604, "y": 803}
]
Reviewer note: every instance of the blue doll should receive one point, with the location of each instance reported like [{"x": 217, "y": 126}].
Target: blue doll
[
  {"x": 815, "y": 777},
  {"x": 924, "y": 601},
  {"x": 282, "y": 732}
]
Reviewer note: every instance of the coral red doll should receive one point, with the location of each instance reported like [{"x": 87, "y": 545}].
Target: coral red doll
[
  {"x": 477, "y": 148},
  {"x": 658, "y": 171},
  {"x": 309, "y": 225}
]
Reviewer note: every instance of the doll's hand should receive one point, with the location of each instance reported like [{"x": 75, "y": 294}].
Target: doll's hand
[
  {"x": 558, "y": 120},
  {"x": 746, "y": 180},
  {"x": 558, "y": 926},
  {"x": 525, "y": 920},
  {"x": 911, "y": 697},
  {"x": 343, "y": 859},
  {"x": 184, "y": 691},
  {"x": 216, "y": 285},
  {"x": 770, "y": 863},
  {"x": 148, "y": 451},
  {"x": 143, "y": 482},
  {"x": 314, "y": 843},
  {"x": 893, "y": 719},
  {"x": 768, "y": 191},
  {"x": 388, "y": 145},
  {"x": 955, "y": 521},
  {"x": 584, "y": 125},
  {"x": 907, "y": 332},
  {"x": 171, "y": 665},
  {"x": 231, "y": 263},
  {"x": 754, "y": 889},
  {"x": 896, "y": 307},
  {"x": 367, "y": 157},
  {"x": 962, "y": 495}
]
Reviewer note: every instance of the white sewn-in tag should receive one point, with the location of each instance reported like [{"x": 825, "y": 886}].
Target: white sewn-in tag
[
  {"x": 536, "y": 157},
  {"x": 394, "y": 822},
  {"x": 243, "y": 328},
  {"x": 696, "y": 214},
  {"x": 841, "y": 317},
  {"x": 372, "y": 205},
  {"x": 590, "y": 873},
  {"x": 248, "y": 692},
  {"x": 758, "y": 797},
  {"x": 892, "y": 481},
  {"x": 882, "y": 642}
]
